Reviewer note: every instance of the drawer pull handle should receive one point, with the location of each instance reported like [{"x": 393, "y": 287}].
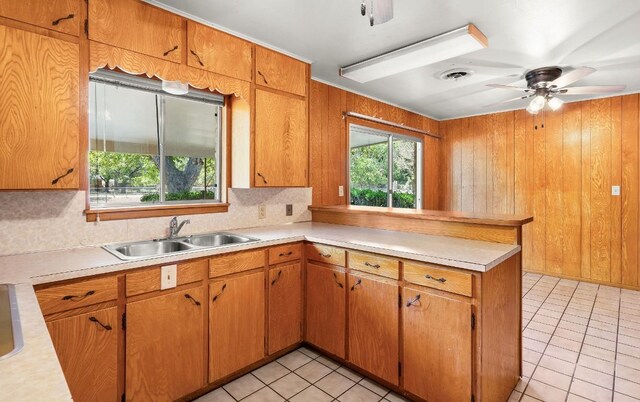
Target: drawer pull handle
[
  {"x": 263, "y": 179},
  {"x": 57, "y": 179},
  {"x": 285, "y": 254},
  {"x": 76, "y": 298},
  {"x": 376, "y": 266},
  {"x": 413, "y": 301},
  {"x": 324, "y": 255},
  {"x": 189, "y": 297},
  {"x": 441, "y": 280},
  {"x": 224, "y": 287},
  {"x": 173, "y": 49},
  {"x": 273, "y": 282},
  {"x": 358, "y": 282},
  {"x": 94, "y": 319},
  {"x": 197, "y": 58},
  {"x": 59, "y": 20},
  {"x": 335, "y": 279},
  {"x": 263, "y": 77}
]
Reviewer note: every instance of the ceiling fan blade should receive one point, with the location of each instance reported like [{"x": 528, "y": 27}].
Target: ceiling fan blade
[
  {"x": 599, "y": 89},
  {"x": 500, "y": 86},
  {"x": 507, "y": 101},
  {"x": 572, "y": 76}
]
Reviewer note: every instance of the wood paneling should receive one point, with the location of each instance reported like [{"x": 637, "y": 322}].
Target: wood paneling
[
  {"x": 278, "y": 71},
  {"x": 136, "y": 26},
  {"x": 88, "y": 354},
  {"x": 281, "y": 158},
  {"x": 559, "y": 167},
  {"x": 285, "y": 306},
  {"x": 39, "y": 111},
  {"x": 61, "y": 15}
]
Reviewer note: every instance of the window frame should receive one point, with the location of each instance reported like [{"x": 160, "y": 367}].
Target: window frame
[
  {"x": 171, "y": 208},
  {"x": 391, "y": 133}
]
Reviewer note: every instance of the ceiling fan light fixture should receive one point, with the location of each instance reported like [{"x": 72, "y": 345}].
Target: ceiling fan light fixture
[
  {"x": 448, "y": 45},
  {"x": 555, "y": 103},
  {"x": 537, "y": 104},
  {"x": 175, "y": 87}
]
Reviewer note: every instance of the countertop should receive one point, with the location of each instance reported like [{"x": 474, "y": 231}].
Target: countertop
[{"x": 37, "y": 361}]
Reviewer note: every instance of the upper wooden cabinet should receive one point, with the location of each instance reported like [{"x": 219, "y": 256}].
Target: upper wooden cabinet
[
  {"x": 281, "y": 157},
  {"x": 218, "y": 52},
  {"x": 277, "y": 71},
  {"x": 59, "y": 15},
  {"x": 136, "y": 26},
  {"x": 38, "y": 111}
]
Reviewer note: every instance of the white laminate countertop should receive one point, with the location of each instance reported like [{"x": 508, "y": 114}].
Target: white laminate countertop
[{"x": 35, "y": 373}]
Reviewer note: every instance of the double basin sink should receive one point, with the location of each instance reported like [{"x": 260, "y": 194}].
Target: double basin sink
[{"x": 164, "y": 247}]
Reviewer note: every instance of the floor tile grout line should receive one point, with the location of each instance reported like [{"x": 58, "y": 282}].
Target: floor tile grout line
[{"x": 615, "y": 354}]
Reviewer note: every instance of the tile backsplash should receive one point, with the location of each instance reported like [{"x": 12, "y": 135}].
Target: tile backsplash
[{"x": 41, "y": 221}]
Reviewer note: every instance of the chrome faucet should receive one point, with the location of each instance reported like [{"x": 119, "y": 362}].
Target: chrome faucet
[{"x": 174, "y": 228}]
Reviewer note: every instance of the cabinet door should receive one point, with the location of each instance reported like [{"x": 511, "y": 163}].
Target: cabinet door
[
  {"x": 277, "y": 71},
  {"x": 165, "y": 346},
  {"x": 136, "y": 26},
  {"x": 285, "y": 306},
  {"x": 38, "y": 111},
  {"x": 436, "y": 346},
  {"x": 87, "y": 347},
  {"x": 373, "y": 326},
  {"x": 281, "y": 156},
  {"x": 326, "y": 319},
  {"x": 236, "y": 324},
  {"x": 218, "y": 52},
  {"x": 60, "y": 15}
]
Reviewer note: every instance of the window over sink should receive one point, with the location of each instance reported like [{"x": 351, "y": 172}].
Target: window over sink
[{"x": 150, "y": 148}]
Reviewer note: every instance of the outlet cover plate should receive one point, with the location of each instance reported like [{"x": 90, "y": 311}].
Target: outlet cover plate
[
  {"x": 615, "y": 190},
  {"x": 340, "y": 191},
  {"x": 168, "y": 276},
  {"x": 262, "y": 211},
  {"x": 289, "y": 210}
]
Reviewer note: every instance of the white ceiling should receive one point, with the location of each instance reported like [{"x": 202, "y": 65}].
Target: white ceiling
[{"x": 523, "y": 34}]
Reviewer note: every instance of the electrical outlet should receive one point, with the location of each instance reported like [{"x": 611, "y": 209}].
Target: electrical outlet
[
  {"x": 262, "y": 211},
  {"x": 289, "y": 210},
  {"x": 168, "y": 276},
  {"x": 615, "y": 190},
  {"x": 340, "y": 191}
]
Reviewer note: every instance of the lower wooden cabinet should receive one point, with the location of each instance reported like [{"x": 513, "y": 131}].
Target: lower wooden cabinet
[
  {"x": 285, "y": 306},
  {"x": 87, "y": 347},
  {"x": 373, "y": 326},
  {"x": 325, "y": 311},
  {"x": 165, "y": 346},
  {"x": 236, "y": 323},
  {"x": 437, "y": 355}
]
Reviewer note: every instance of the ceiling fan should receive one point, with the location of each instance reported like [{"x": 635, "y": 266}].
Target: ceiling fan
[
  {"x": 545, "y": 84},
  {"x": 380, "y": 11}
]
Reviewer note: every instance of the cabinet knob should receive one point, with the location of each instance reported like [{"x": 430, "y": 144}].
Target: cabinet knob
[
  {"x": 263, "y": 178},
  {"x": 59, "y": 20},
  {"x": 197, "y": 58},
  {"x": 57, "y": 179},
  {"x": 94, "y": 319},
  {"x": 358, "y": 283},
  {"x": 224, "y": 287},
  {"x": 75, "y": 298},
  {"x": 413, "y": 301},
  {"x": 273, "y": 282},
  {"x": 325, "y": 255},
  {"x": 376, "y": 266},
  {"x": 285, "y": 254},
  {"x": 335, "y": 279},
  {"x": 170, "y": 50},
  {"x": 263, "y": 77},
  {"x": 441, "y": 280},
  {"x": 189, "y": 297}
]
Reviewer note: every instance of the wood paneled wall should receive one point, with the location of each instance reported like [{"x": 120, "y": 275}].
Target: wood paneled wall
[
  {"x": 329, "y": 138},
  {"x": 560, "y": 169}
]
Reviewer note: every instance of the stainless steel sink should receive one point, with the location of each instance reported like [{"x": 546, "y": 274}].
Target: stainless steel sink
[
  {"x": 162, "y": 247},
  {"x": 10, "y": 330}
]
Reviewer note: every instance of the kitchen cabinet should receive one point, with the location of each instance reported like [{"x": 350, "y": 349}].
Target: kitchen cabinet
[
  {"x": 285, "y": 306},
  {"x": 219, "y": 52},
  {"x": 165, "y": 347},
  {"x": 281, "y": 157},
  {"x": 278, "y": 71},
  {"x": 87, "y": 347},
  {"x": 373, "y": 325},
  {"x": 236, "y": 323},
  {"x": 137, "y": 26},
  {"x": 326, "y": 308},
  {"x": 61, "y": 15},
  {"x": 437, "y": 354},
  {"x": 39, "y": 112}
]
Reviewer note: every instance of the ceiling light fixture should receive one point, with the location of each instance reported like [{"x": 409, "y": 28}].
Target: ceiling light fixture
[
  {"x": 448, "y": 45},
  {"x": 380, "y": 11},
  {"x": 555, "y": 103},
  {"x": 175, "y": 87}
]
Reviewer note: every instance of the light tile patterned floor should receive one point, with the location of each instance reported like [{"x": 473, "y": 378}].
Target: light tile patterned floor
[{"x": 581, "y": 343}]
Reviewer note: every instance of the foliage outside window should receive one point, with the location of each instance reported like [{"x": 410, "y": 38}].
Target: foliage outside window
[
  {"x": 384, "y": 168},
  {"x": 148, "y": 147}
]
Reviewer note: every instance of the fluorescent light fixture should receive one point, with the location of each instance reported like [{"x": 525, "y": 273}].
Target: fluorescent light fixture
[
  {"x": 448, "y": 45},
  {"x": 555, "y": 103},
  {"x": 175, "y": 87}
]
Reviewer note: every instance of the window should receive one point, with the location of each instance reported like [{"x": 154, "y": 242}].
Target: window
[
  {"x": 148, "y": 147},
  {"x": 385, "y": 169}
]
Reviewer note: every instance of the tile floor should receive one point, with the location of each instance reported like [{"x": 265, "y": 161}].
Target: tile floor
[{"x": 581, "y": 343}]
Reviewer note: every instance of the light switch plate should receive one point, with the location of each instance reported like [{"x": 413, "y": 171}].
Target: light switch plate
[
  {"x": 340, "y": 191},
  {"x": 168, "y": 276},
  {"x": 615, "y": 190}
]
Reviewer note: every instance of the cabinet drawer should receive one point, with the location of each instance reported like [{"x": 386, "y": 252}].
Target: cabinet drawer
[
  {"x": 277, "y": 71},
  {"x": 438, "y": 278},
  {"x": 284, "y": 253},
  {"x": 374, "y": 264},
  {"x": 237, "y": 262},
  {"x": 79, "y": 294},
  {"x": 148, "y": 280},
  {"x": 327, "y": 254}
]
